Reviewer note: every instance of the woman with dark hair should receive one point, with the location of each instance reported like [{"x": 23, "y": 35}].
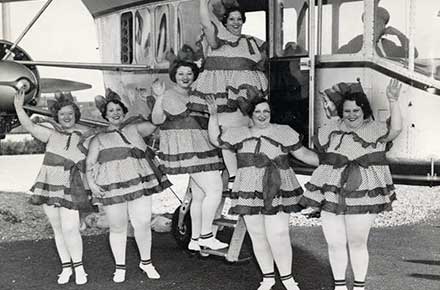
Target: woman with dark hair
[
  {"x": 233, "y": 70},
  {"x": 59, "y": 186},
  {"x": 123, "y": 179},
  {"x": 353, "y": 182},
  {"x": 185, "y": 148},
  {"x": 265, "y": 190}
]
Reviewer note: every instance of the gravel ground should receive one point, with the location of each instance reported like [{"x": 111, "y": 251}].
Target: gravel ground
[{"x": 21, "y": 221}]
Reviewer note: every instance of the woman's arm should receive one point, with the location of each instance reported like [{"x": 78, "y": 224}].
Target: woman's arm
[
  {"x": 39, "y": 132},
  {"x": 157, "y": 114},
  {"x": 92, "y": 159},
  {"x": 213, "y": 125},
  {"x": 145, "y": 128},
  {"x": 393, "y": 93},
  {"x": 306, "y": 155},
  {"x": 205, "y": 21}
]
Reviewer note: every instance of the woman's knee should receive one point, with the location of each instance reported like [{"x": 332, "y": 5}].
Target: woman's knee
[{"x": 140, "y": 223}]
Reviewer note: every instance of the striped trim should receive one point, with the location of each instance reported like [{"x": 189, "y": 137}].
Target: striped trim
[
  {"x": 340, "y": 282},
  {"x": 77, "y": 264},
  {"x": 284, "y": 148},
  {"x": 249, "y": 210},
  {"x": 269, "y": 275},
  {"x": 207, "y": 236},
  {"x": 132, "y": 195},
  {"x": 120, "y": 153},
  {"x": 216, "y": 63},
  {"x": 146, "y": 262},
  {"x": 189, "y": 155},
  {"x": 56, "y": 201},
  {"x": 286, "y": 277},
  {"x": 193, "y": 169},
  {"x": 358, "y": 209},
  {"x": 185, "y": 123},
  {"x": 120, "y": 267},
  {"x": 66, "y": 265},
  {"x": 54, "y": 188},
  {"x": 384, "y": 191},
  {"x": 360, "y": 284},
  {"x": 258, "y": 194},
  {"x": 128, "y": 183}
]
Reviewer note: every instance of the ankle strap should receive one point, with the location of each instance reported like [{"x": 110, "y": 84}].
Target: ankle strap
[
  {"x": 269, "y": 275},
  {"x": 77, "y": 264},
  {"x": 146, "y": 262},
  {"x": 66, "y": 265},
  {"x": 120, "y": 266},
  {"x": 207, "y": 236},
  {"x": 340, "y": 282},
  {"x": 359, "y": 284},
  {"x": 286, "y": 277}
]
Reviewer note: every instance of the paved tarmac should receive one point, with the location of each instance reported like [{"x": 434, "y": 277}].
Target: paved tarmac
[{"x": 401, "y": 258}]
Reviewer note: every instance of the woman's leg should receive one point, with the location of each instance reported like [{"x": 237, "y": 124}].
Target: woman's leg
[
  {"x": 277, "y": 232},
  {"x": 70, "y": 224},
  {"x": 358, "y": 228},
  {"x": 53, "y": 214},
  {"x": 333, "y": 227},
  {"x": 231, "y": 120},
  {"x": 257, "y": 231},
  {"x": 211, "y": 184},
  {"x": 139, "y": 211},
  {"x": 118, "y": 218}
]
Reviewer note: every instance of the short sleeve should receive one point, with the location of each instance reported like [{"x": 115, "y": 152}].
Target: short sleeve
[
  {"x": 289, "y": 139},
  {"x": 233, "y": 137}
]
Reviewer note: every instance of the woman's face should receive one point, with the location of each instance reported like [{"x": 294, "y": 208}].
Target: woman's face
[
  {"x": 261, "y": 115},
  {"x": 184, "y": 77},
  {"x": 234, "y": 23},
  {"x": 66, "y": 117},
  {"x": 114, "y": 114},
  {"x": 352, "y": 114}
]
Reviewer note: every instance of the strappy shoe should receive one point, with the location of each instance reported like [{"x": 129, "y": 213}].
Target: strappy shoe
[
  {"x": 148, "y": 268},
  {"x": 119, "y": 274},
  {"x": 64, "y": 276},
  {"x": 80, "y": 274},
  {"x": 268, "y": 281}
]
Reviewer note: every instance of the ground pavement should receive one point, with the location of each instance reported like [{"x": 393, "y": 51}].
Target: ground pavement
[{"x": 402, "y": 258}]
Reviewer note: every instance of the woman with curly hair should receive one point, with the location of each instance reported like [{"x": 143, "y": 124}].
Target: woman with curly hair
[
  {"x": 353, "y": 181},
  {"x": 123, "y": 179},
  {"x": 61, "y": 187}
]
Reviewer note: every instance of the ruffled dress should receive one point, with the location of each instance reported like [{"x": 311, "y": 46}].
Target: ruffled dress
[
  {"x": 265, "y": 182},
  {"x": 184, "y": 142},
  {"x": 232, "y": 72},
  {"x": 61, "y": 181},
  {"x": 125, "y": 169},
  {"x": 353, "y": 176}
]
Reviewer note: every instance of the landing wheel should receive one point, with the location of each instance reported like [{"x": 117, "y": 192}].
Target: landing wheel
[{"x": 182, "y": 233}]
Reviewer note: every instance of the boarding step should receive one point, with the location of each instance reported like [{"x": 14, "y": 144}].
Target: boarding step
[
  {"x": 232, "y": 253},
  {"x": 226, "y": 222}
]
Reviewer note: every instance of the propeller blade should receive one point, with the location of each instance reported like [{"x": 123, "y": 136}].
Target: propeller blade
[
  {"x": 49, "y": 85},
  {"x": 95, "y": 66}
]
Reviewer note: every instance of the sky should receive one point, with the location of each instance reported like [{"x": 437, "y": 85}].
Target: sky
[{"x": 65, "y": 32}]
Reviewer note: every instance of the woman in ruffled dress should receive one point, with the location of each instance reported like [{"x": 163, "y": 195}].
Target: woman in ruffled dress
[
  {"x": 60, "y": 186},
  {"x": 353, "y": 182},
  {"x": 185, "y": 148},
  {"x": 265, "y": 190},
  {"x": 233, "y": 70},
  {"x": 123, "y": 179}
]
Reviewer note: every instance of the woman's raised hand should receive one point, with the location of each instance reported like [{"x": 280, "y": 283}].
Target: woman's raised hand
[
  {"x": 212, "y": 106},
  {"x": 158, "y": 88},
  {"x": 393, "y": 90},
  {"x": 19, "y": 98},
  {"x": 329, "y": 106}
]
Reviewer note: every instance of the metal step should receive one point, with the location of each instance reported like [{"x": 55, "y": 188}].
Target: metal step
[
  {"x": 220, "y": 253},
  {"x": 225, "y": 222}
]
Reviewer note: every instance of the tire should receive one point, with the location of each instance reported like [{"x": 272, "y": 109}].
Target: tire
[{"x": 181, "y": 235}]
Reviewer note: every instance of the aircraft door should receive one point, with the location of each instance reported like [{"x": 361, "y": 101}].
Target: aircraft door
[{"x": 289, "y": 66}]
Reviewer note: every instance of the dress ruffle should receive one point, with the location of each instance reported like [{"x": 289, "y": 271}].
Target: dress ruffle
[{"x": 360, "y": 184}]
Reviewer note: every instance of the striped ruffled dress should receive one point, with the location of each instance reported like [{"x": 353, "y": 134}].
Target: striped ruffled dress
[
  {"x": 265, "y": 182},
  {"x": 124, "y": 170},
  {"x": 353, "y": 176},
  {"x": 61, "y": 181},
  {"x": 184, "y": 142},
  {"x": 232, "y": 72}
]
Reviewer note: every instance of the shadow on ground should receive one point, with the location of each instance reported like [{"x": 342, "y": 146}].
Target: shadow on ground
[{"x": 400, "y": 259}]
